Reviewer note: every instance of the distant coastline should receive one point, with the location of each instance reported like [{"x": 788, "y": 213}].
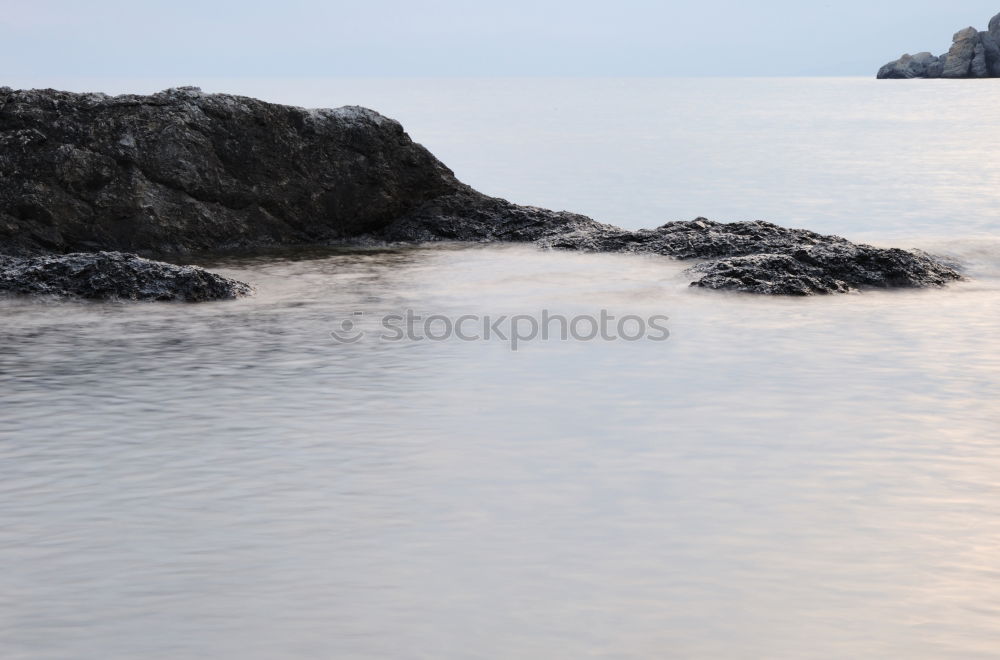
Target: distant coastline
[{"x": 973, "y": 54}]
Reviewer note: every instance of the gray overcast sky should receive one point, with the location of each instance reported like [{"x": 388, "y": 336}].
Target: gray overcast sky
[{"x": 472, "y": 38}]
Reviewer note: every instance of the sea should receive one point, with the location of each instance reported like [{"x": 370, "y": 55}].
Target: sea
[{"x": 298, "y": 475}]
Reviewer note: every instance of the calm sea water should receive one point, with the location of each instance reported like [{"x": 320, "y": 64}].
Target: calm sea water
[{"x": 812, "y": 478}]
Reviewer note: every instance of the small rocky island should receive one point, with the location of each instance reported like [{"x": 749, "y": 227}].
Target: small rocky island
[
  {"x": 88, "y": 182},
  {"x": 973, "y": 54}
]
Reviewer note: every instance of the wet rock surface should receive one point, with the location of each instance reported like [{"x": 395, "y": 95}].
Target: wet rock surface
[
  {"x": 973, "y": 54},
  {"x": 181, "y": 171},
  {"x": 823, "y": 268},
  {"x": 755, "y": 257},
  {"x": 114, "y": 276}
]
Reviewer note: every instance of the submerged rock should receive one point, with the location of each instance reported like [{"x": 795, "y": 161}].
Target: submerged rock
[
  {"x": 114, "y": 276},
  {"x": 973, "y": 54},
  {"x": 182, "y": 170}
]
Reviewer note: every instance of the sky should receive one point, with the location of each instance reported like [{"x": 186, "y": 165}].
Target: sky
[{"x": 304, "y": 38}]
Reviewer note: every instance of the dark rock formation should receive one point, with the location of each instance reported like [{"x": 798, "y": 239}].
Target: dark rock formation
[
  {"x": 991, "y": 52},
  {"x": 973, "y": 54},
  {"x": 468, "y": 215},
  {"x": 963, "y": 50},
  {"x": 114, "y": 276},
  {"x": 920, "y": 65},
  {"x": 182, "y": 170},
  {"x": 756, "y": 257},
  {"x": 832, "y": 266}
]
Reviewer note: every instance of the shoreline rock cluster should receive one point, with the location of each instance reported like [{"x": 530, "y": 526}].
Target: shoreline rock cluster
[
  {"x": 183, "y": 171},
  {"x": 973, "y": 54},
  {"x": 114, "y": 276},
  {"x": 753, "y": 257}
]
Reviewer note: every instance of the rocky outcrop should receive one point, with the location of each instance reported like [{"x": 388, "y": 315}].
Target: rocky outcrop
[
  {"x": 832, "y": 266},
  {"x": 973, "y": 54},
  {"x": 114, "y": 276},
  {"x": 913, "y": 66},
  {"x": 965, "y": 48},
  {"x": 755, "y": 257},
  {"x": 991, "y": 52},
  {"x": 182, "y": 170}
]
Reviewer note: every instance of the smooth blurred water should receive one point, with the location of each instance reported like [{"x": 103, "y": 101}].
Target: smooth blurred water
[{"x": 780, "y": 478}]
